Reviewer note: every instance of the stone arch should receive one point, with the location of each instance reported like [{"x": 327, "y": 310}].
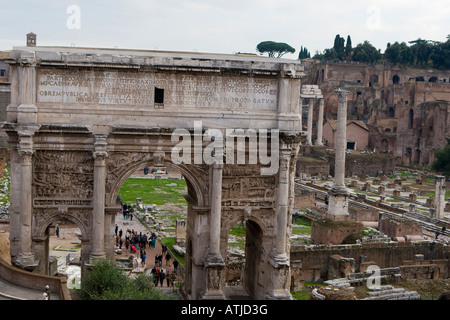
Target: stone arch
[
  {"x": 395, "y": 79},
  {"x": 420, "y": 78},
  {"x": 384, "y": 145},
  {"x": 433, "y": 79},
  {"x": 70, "y": 214},
  {"x": 257, "y": 237},
  {"x": 373, "y": 78},
  {"x": 253, "y": 253},
  {"x": 391, "y": 112},
  {"x": 44, "y": 218},
  {"x": 196, "y": 187}
]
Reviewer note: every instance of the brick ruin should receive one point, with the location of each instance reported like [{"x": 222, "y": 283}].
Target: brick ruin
[{"x": 405, "y": 109}]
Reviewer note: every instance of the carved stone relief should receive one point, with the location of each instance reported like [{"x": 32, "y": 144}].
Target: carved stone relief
[{"x": 62, "y": 179}]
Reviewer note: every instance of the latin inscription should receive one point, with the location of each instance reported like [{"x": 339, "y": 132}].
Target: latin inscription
[{"x": 138, "y": 89}]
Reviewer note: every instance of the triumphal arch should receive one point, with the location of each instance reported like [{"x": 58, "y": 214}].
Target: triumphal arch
[{"x": 81, "y": 121}]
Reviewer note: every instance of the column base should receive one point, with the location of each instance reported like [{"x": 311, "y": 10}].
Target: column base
[
  {"x": 212, "y": 295},
  {"x": 26, "y": 262},
  {"x": 214, "y": 265},
  {"x": 279, "y": 295},
  {"x": 279, "y": 260},
  {"x": 214, "y": 260},
  {"x": 97, "y": 256},
  {"x": 338, "y": 203}
]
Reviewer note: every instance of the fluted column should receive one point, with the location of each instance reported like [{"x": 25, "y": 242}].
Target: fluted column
[
  {"x": 320, "y": 123},
  {"x": 310, "y": 119},
  {"x": 280, "y": 256},
  {"x": 25, "y": 258},
  {"x": 213, "y": 261},
  {"x": 215, "y": 214},
  {"x": 98, "y": 218}
]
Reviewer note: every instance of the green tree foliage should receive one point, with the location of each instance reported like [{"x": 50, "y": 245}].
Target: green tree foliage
[
  {"x": 348, "y": 47},
  {"x": 422, "y": 50},
  {"x": 399, "y": 53},
  {"x": 441, "y": 55},
  {"x": 274, "y": 49},
  {"x": 106, "y": 281},
  {"x": 339, "y": 47},
  {"x": 442, "y": 162},
  {"x": 304, "y": 53},
  {"x": 366, "y": 52}
]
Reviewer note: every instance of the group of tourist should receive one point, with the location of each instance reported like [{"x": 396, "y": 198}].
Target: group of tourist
[
  {"x": 137, "y": 241},
  {"x": 160, "y": 275},
  {"x": 127, "y": 212}
]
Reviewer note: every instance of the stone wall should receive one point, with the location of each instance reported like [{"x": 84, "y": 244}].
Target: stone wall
[
  {"x": 315, "y": 260},
  {"x": 365, "y": 164},
  {"x": 399, "y": 227}
]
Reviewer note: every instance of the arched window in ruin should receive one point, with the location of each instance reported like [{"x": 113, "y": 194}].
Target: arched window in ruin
[
  {"x": 373, "y": 78},
  {"x": 384, "y": 145},
  {"x": 417, "y": 157},
  {"x": 433, "y": 79},
  {"x": 387, "y": 130},
  {"x": 395, "y": 79},
  {"x": 391, "y": 112},
  {"x": 420, "y": 78},
  {"x": 408, "y": 155},
  {"x": 323, "y": 75}
]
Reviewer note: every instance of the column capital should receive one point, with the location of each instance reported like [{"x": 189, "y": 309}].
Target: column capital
[
  {"x": 100, "y": 158},
  {"x": 342, "y": 94}
]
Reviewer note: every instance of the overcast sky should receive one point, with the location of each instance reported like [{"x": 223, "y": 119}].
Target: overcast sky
[{"x": 225, "y": 26}]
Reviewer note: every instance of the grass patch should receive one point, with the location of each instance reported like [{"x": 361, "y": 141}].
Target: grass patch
[{"x": 153, "y": 191}]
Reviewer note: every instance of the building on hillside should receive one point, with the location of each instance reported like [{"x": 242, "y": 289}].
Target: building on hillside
[
  {"x": 405, "y": 109},
  {"x": 357, "y": 134}
]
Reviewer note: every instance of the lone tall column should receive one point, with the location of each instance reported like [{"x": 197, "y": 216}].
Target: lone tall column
[
  {"x": 439, "y": 198},
  {"x": 338, "y": 195},
  {"x": 320, "y": 123},
  {"x": 310, "y": 120},
  {"x": 98, "y": 226}
]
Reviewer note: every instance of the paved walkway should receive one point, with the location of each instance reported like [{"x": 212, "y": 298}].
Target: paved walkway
[
  {"x": 9, "y": 291},
  {"x": 137, "y": 226}
]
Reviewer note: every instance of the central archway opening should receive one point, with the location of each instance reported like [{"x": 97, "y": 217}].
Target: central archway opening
[{"x": 147, "y": 235}]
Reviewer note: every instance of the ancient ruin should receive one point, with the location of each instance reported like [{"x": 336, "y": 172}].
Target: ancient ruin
[
  {"x": 241, "y": 130},
  {"x": 81, "y": 121}
]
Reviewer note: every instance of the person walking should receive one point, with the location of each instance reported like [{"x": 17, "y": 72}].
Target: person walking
[
  {"x": 173, "y": 278},
  {"x": 162, "y": 277},
  {"x": 143, "y": 257},
  {"x": 175, "y": 266},
  {"x": 158, "y": 275},
  {"x": 168, "y": 257},
  {"x": 168, "y": 279}
]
